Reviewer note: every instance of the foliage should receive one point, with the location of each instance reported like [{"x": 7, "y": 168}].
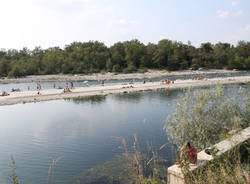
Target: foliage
[
  {"x": 203, "y": 116},
  {"x": 128, "y": 56}
]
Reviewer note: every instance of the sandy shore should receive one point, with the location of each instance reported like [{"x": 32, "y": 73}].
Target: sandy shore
[
  {"x": 111, "y": 76},
  {"x": 53, "y": 94}
]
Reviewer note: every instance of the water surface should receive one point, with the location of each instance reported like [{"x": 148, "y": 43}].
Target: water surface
[{"x": 78, "y": 133}]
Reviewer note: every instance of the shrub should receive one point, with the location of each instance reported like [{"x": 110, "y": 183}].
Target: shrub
[
  {"x": 131, "y": 68},
  {"x": 203, "y": 116}
]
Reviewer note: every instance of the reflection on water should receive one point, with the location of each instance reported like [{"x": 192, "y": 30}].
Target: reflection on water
[
  {"x": 79, "y": 133},
  {"x": 128, "y": 97},
  {"x": 96, "y": 99}
]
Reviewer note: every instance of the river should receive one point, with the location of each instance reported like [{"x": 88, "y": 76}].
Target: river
[{"x": 77, "y": 133}]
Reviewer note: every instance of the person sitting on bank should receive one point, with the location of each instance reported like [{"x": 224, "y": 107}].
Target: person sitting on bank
[
  {"x": 66, "y": 90},
  {"x": 15, "y": 90},
  {"x": 4, "y": 93},
  {"x": 188, "y": 154},
  {"x": 192, "y": 153}
]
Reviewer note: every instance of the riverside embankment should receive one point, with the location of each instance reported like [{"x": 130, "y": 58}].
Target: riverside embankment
[{"x": 54, "y": 94}]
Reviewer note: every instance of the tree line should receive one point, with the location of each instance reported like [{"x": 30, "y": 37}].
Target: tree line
[{"x": 128, "y": 56}]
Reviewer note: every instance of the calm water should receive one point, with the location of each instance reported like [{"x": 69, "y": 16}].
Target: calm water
[
  {"x": 47, "y": 85},
  {"x": 78, "y": 133}
]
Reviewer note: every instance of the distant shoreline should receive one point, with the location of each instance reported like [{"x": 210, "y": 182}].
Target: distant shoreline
[
  {"x": 110, "y": 76},
  {"x": 111, "y": 88}
]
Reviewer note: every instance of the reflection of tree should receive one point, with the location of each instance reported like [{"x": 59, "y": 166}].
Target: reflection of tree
[
  {"x": 129, "y": 97},
  {"x": 137, "y": 96},
  {"x": 96, "y": 99},
  {"x": 169, "y": 93}
]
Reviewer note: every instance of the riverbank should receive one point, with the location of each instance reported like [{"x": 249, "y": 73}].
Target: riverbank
[
  {"x": 54, "y": 94},
  {"x": 110, "y": 76}
]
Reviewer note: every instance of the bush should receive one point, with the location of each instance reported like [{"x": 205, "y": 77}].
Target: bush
[
  {"x": 203, "y": 116},
  {"x": 129, "y": 69},
  {"x": 16, "y": 71},
  {"x": 142, "y": 70},
  {"x": 116, "y": 68}
]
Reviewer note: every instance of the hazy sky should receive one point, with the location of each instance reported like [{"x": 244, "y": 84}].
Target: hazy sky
[{"x": 49, "y": 23}]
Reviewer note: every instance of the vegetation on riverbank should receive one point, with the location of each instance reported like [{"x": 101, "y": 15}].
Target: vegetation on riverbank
[
  {"x": 128, "y": 56},
  {"x": 206, "y": 117},
  {"x": 231, "y": 168}
]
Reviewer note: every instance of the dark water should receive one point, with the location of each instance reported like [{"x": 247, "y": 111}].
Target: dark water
[
  {"x": 78, "y": 133},
  {"x": 48, "y": 85}
]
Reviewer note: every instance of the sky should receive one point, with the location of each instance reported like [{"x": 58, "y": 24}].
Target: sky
[{"x": 50, "y": 23}]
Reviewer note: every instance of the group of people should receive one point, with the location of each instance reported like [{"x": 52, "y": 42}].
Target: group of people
[
  {"x": 131, "y": 86},
  {"x": 15, "y": 90},
  {"x": 167, "y": 81},
  {"x": 71, "y": 84},
  {"x": 66, "y": 90},
  {"x": 198, "y": 78},
  {"x": 4, "y": 93}
]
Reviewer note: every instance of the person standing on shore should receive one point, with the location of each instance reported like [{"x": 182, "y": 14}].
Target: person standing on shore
[
  {"x": 71, "y": 85},
  {"x": 38, "y": 86}
]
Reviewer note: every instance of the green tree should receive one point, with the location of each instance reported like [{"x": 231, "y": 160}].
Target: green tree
[
  {"x": 162, "y": 53},
  {"x": 221, "y": 55},
  {"x": 147, "y": 59},
  {"x": 4, "y": 67},
  {"x": 16, "y": 71},
  {"x": 134, "y": 51},
  {"x": 128, "y": 56}
]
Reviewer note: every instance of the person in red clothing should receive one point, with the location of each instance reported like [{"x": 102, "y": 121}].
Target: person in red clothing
[
  {"x": 188, "y": 154},
  {"x": 192, "y": 153}
]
